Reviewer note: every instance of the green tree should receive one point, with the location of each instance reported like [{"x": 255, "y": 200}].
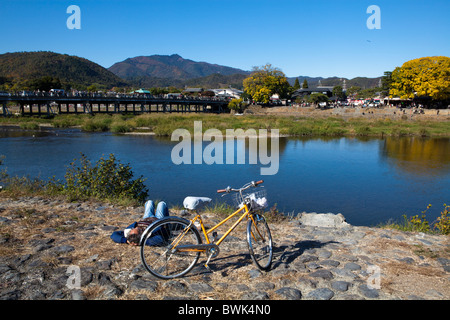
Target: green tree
[
  {"x": 45, "y": 83},
  {"x": 266, "y": 81},
  {"x": 316, "y": 98},
  {"x": 296, "y": 84},
  {"x": 353, "y": 91},
  {"x": 428, "y": 76},
  {"x": 386, "y": 82},
  {"x": 92, "y": 88},
  {"x": 368, "y": 93},
  {"x": 159, "y": 91},
  {"x": 338, "y": 92},
  {"x": 305, "y": 84},
  {"x": 236, "y": 104}
]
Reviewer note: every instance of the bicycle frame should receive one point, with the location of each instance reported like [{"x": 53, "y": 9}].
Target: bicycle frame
[
  {"x": 203, "y": 248},
  {"x": 207, "y": 232}
]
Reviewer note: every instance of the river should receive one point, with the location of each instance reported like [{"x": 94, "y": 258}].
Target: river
[{"x": 369, "y": 181}]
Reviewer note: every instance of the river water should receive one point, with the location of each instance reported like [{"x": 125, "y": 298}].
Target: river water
[{"x": 369, "y": 181}]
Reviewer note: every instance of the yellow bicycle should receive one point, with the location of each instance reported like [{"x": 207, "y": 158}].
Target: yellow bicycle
[{"x": 170, "y": 247}]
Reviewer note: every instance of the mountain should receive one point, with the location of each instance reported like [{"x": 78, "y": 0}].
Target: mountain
[
  {"x": 70, "y": 70},
  {"x": 216, "y": 80},
  {"x": 168, "y": 67},
  {"x": 173, "y": 70},
  {"x": 27, "y": 68},
  {"x": 209, "y": 82}
]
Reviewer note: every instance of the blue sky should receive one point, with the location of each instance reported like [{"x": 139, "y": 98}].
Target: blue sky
[{"x": 301, "y": 37}]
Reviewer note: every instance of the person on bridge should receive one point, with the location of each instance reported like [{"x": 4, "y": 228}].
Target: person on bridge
[{"x": 132, "y": 234}]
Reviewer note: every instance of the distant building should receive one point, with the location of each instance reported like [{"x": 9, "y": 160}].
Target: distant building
[
  {"x": 175, "y": 95},
  {"x": 141, "y": 92},
  {"x": 228, "y": 93},
  {"x": 328, "y": 91},
  {"x": 192, "y": 91}
]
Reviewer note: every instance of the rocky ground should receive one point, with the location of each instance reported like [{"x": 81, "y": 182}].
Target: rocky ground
[{"x": 43, "y": 242}]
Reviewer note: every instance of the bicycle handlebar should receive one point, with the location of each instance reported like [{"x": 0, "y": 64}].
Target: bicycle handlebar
[
  {"x": 251, "y": 184},
  {"x": 258, "y": 182}
]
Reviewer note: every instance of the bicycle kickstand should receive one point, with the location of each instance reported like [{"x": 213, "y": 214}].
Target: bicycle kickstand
[{"x": 207, "y": 262}]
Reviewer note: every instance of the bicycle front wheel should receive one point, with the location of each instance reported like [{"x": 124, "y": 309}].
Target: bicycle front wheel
[
  {"x": 259, "y": 241},
  {"x": 158, "y": 249}
]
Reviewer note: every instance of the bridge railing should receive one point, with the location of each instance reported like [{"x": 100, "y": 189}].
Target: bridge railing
[
  {"x": 87, "y": 95},
  {"x": 42, "y": 103}
]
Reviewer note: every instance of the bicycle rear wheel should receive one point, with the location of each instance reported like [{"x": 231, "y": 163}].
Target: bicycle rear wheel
[
  {"x": 260, "y": 242},
  {"x": 157, "y": 250}
]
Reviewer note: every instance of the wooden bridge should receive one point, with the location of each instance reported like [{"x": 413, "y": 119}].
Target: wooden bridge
[{"x": 45, "y": 104}]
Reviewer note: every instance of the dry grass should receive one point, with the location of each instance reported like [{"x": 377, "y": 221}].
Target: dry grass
[
  {"x": 419, "y": 278},
  {"x": 415, "y": 280}
]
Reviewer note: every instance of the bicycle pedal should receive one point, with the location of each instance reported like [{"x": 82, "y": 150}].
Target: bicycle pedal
[
  {"x": 209, "y": 259},
  {"x": 207, "y": 266}
]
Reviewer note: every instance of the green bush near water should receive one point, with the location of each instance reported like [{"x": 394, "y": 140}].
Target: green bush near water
[
  {"x": 64, "y": 121},
  {"x": 108, "y": 179},
  {"x": 97, "y": 124},
  {"x": 421, "y": 224}
]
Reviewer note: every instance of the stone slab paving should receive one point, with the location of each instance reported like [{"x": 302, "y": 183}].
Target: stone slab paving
[{"x": 45, "y": 243}]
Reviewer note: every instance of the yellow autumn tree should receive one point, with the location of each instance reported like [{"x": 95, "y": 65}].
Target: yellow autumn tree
[
  {"x": 266, "y": 81},
  {"x": 428, "y": 76}
]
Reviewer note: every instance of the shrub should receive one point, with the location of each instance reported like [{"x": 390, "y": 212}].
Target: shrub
[
  {"x": 424, "y": 133},
  {"x": 443, "y": 222},
  {"x": 362, "y": 131},
  {"x": 121, "y": 127},
  {"x": 236, "y": 104},
  {"x": 29, "y": 126},
  {"x": 275, "y": 216},
  {"x": 3, "y": 173},
  {"x": 66, "y": 122},
  {"x": 421, "y": 224},
  {"x": 108, "y": 179},
  {"x": 97, "y": 124}
]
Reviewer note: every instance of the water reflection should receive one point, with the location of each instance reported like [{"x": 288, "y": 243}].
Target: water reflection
[
  {"x": 422, "y": 156},
  {"x": 17, "y": 132},
  {"x": 240, "y": 150}
]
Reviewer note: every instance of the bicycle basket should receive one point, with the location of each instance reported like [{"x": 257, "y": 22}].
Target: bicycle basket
[{"x": 257, "y": 199}]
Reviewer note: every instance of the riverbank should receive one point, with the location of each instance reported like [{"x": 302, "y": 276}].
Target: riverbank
[
  {"x": 318, "y": 256},
  {"x": 290, "y": 121}
]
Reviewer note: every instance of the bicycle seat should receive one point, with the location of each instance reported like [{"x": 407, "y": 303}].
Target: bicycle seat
[{"x": 194, "y": 203}]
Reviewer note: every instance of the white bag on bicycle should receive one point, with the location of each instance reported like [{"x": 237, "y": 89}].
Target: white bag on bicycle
[
  {"x": 258, "y": 203},
  {"x": 262, "y": 202}
]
